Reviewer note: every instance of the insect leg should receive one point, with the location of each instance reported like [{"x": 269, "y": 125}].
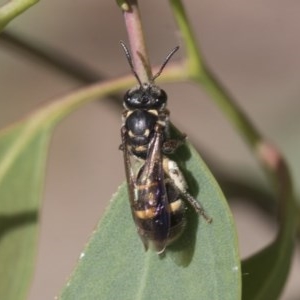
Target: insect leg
[
  {"x": 170, "y": 145},
  {"x": 176, "y": 179},
  {"x": 196, "y": 205}
]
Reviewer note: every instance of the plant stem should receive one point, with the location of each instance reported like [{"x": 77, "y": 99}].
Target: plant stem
[
  {"x": 139, "y": 54},
  {"x": 271, "y": 159},
  {"x": 202, "y": 75},
  {"x": 12, "y": 9},
  {"x": 46, "y": 54},
  {"x": 59, "y": 61}
]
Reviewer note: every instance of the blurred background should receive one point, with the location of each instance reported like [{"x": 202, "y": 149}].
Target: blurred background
[{"x": 252, "y": 46}]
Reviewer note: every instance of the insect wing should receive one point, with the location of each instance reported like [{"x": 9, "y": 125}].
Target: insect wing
[
  {"x": 132, "y": 165},
  {"x": 149, "y": 202},
  {"x": 151, "y": 208}
]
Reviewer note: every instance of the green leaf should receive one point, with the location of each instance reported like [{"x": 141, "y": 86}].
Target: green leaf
[
  {"x": 22, "y": 159},
  {"x": 265, "y": 273},
  {"x": 202, "y": 264},
  {"x": 23, "y": 150}
]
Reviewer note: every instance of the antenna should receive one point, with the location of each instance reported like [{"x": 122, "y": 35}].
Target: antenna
[
  {"x": 129, "y": 59},
  {"x": 165, "y": 62}
]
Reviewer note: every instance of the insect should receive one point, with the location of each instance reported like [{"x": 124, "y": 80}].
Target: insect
[{"x": 155, "y": 183}]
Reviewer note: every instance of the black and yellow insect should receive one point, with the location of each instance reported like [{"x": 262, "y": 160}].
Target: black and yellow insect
[{"x": 155, "y": 183}]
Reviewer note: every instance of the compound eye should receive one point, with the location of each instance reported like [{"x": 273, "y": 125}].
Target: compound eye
[
  {"x": 131, "y": 99},
  {"x": 161, "y": 99},
  {"x": 127, "y": 96}
]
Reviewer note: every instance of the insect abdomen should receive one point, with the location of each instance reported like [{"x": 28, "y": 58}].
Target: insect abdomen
[{"x": 158, "y": 225}]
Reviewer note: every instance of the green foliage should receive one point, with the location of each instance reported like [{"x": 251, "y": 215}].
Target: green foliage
[
  {"x": 203, "y": 264},
  {"x": 23, "y": 150},
  {"x": 265, "y": 273}
]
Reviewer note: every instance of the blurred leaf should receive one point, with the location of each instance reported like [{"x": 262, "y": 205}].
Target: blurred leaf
[
  {"x": 265, "y": 273},
  {"x": 202, "y": 264},
  {"x": 23, "y": 150}
]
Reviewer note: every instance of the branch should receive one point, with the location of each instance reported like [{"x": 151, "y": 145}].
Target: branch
[
  {"x": 12, "y": 9},
  {"x": 139, "y": 53}
]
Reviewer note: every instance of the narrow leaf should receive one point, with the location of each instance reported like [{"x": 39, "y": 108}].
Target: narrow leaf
[
  {"x": 265, "y": 273},
  {"x": 22, "y": 160}
]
